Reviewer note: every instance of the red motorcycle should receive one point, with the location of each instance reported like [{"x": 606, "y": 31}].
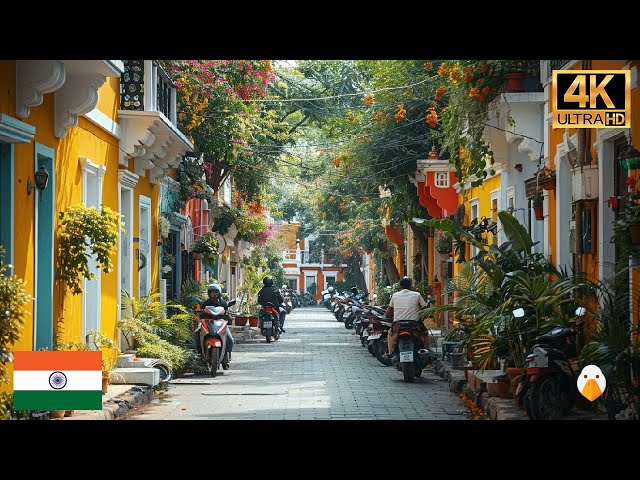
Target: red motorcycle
[
  {"x": 408, "y": 351},
  {"x": 213, "y": 337},
  {"x": 270, "y": 324}
]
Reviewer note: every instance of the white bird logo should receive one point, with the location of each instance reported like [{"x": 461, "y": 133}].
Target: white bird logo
[{"x": 591, "y": 382}]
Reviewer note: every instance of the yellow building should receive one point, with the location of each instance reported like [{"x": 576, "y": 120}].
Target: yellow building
[
  {"x": 65, "y": 117},
  {"x": 579, "y": 217}
]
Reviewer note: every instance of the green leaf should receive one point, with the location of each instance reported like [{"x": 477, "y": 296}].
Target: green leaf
[{"x": 515, "y": 232}]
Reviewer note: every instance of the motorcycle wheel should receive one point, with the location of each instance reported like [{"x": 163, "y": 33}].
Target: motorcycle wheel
[
  {"x": 363, "y": 341},
  {"x": 418, "y": 373},
  {"x": 348, "y": 324},
  {"x": 547, "y": 398},
  {"x": 268, "y": 337},
  {"x": 381, "y": 350},
  {"x": 371, "y": 350},
  {"x": 225, "y": 361},
  {"x": 408, "y": 372},
  {"x": 213, "y": 362}
]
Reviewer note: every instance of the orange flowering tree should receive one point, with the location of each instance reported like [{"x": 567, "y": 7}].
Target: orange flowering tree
[{"x": 464, "y": 94}]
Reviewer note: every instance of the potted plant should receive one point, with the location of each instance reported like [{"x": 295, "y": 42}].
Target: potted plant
[
  {"x": 206, "y": 248},
  {"x": 537, "y": 201},
  {"x": 251, "y": 284},
  {"x": 514, "y": 74}
]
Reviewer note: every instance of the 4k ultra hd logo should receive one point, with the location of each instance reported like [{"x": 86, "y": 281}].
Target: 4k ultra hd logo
[{"x": 592, "y": 99}]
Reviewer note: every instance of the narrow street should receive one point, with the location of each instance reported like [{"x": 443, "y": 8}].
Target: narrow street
[{"x": 317, "y": 370}]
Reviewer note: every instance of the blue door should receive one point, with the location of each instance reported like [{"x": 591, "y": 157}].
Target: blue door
[
  {"x": 6, "y": 200},
  {"x": 45, "y": 210}
]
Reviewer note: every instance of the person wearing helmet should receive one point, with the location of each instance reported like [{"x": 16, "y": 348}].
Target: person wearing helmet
[
  {"x": 214, "y": 292},
  {"x": 354, "y": 291},
  {"x": 331, "y": 290},
  {"x": 270, "y": 294}
]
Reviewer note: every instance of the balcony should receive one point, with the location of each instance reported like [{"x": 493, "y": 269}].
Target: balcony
[
  {"x": 548, "y": 66},
  {"x": 148, "y": 118}
]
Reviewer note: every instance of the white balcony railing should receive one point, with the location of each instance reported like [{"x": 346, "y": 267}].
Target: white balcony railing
[{"x": 146, "y": 87}]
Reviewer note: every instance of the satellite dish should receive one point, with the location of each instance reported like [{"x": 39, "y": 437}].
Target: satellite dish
[{"x": 222, "y": 244}]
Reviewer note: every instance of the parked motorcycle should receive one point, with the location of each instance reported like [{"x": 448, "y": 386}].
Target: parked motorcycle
[
  {"x": 270, "y": 324},
  {"x": 213, "y": 337},
  {"x": 408, "y": 350},
  {"x": 548, "y": 385},
  {"x": 377, "y": 339}
]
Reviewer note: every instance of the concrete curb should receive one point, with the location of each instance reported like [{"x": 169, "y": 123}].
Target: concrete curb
[
  {"x": 495, "y": 408},
  {"x": 244, "y": 334},
  {"x": 119, "y": 406}
]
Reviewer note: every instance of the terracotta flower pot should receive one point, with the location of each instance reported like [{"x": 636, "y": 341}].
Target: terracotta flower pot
[
  {"x": 634, "y": 229},
  {"x": 105, "y": 384},
  {"x": 241, "y": 320},
  {"x": 56, "y": 413},
  {"x": 467, "y": 369},
  {"x": 539, "y": 211},
  {"x": 514, "y": 377},
  {"x": 514, "y": 81},
  {"x": 253, "y": 321}
]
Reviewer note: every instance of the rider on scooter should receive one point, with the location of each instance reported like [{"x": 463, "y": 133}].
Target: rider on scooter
[
  {"x": 215, "y": 300},
  {"x": 270, "y": 294},
  {"x": 405, "y": 305}
]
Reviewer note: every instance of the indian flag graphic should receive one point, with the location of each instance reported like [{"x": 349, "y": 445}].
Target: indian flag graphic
[{"x": 57, "y": 380}]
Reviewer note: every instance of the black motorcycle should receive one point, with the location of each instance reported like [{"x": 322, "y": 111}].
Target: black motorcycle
[{"x": 547, "y": 386}]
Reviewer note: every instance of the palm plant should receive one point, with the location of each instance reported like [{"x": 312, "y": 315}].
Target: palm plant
[
  {"x": 147, "y": 316},
  {"x": 248, "y": 290},
  {"x": 615, "y": 344}
]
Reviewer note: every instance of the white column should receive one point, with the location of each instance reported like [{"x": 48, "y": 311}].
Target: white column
[{"x": 149, "y": 88}]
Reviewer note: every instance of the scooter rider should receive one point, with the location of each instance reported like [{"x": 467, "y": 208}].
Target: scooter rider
[
  {"x": 215, "y": 300},
  {"x": 405, "y": 305},
  {"x": 270, "y": 294}
]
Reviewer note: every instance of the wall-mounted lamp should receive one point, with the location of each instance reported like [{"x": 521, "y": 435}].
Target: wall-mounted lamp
[{"x": 42, "y": 178}]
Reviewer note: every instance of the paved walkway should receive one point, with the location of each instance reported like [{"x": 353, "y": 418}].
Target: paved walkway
[{"x": 317, "y": 370}]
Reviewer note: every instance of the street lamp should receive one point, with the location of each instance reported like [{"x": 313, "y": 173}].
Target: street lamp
[{"x": 629, "y": 158}]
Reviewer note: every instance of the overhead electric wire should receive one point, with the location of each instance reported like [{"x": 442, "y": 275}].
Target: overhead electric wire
[{"x": 330, "y": 97}]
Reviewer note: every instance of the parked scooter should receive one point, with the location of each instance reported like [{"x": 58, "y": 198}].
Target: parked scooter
[
  {"x": 213, "y": 337},
  {"x": 270, "y": 324},
  {"x": 547, "y": 387},
  {"x": 408, "y": 350},
  {"x": 377, "y": 339}
]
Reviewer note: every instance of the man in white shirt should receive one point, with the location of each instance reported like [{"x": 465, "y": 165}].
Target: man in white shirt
[{"x": 405, "y": 305}]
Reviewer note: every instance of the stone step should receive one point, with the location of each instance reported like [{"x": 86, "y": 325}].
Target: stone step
[
  {"x": 125, "y": 360},
  {"x": 141, "y": 376}
]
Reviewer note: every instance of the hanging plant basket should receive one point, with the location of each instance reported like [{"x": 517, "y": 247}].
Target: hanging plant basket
[{"x": 548, "y": 183}]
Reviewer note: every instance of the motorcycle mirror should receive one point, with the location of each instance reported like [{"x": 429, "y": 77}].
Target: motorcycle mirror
[
  {"x": 580, "y": 311},
  {"x": 232, "y": 303},
  {"x": 518, "y": 312}
]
